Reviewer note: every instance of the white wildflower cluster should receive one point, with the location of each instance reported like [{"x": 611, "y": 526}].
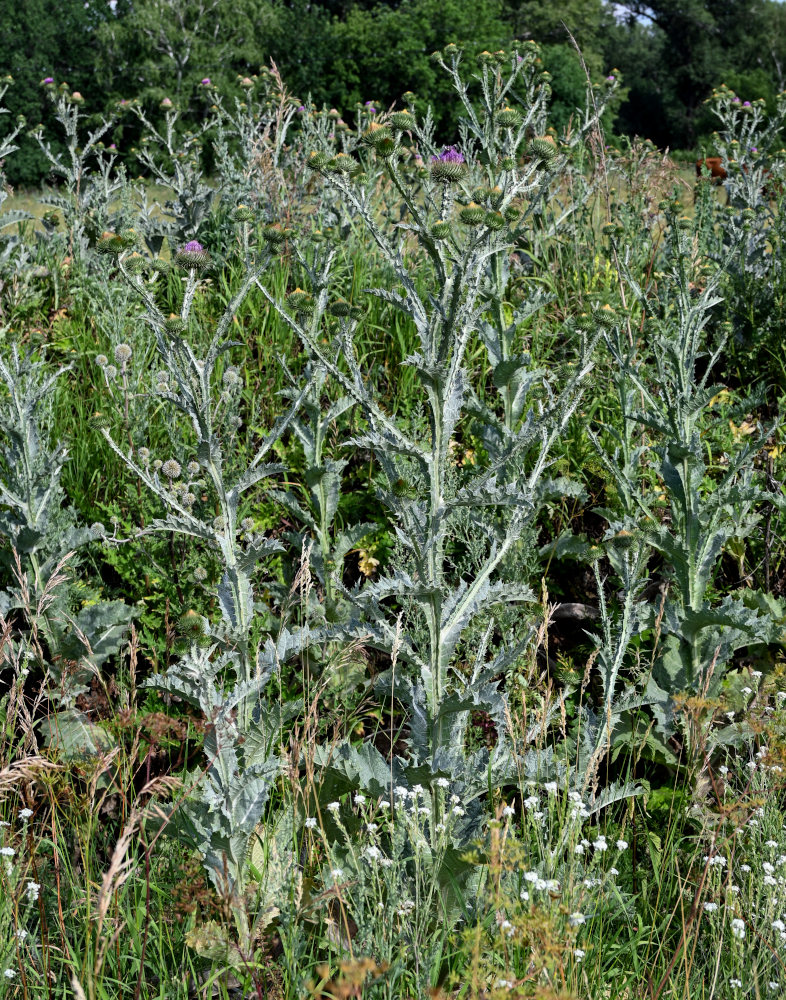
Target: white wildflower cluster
[
  {"x": 745, "y": 903},
  {"x": 388, "y": 853},
  {"x": 570, "y": 874}
]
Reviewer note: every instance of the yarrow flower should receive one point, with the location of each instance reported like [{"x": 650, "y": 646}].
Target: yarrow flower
[
  {"x": 738, "y": 928},
  {"x": 311, "y": 823}
]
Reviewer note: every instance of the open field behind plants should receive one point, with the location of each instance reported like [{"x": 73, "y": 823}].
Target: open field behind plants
[{"x": 393, "y": 591}]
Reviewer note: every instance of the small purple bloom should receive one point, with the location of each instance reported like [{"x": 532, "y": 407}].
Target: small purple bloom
[
  {"x": 370, "y": 108},
  {"x": 448, "y": 155},
  {"x": 112, "y": 145},
  {"x": 48, "y": 79},
  {"x": 754, "y": 149},
  {"x": 746, "y": 104},
  {"x": 193, "y": 246},
  {"x": 206, "y": 81},
  {"x": 610, "y": 79},
  {"x": 735, "y": 100},
  {"x": 302, "y": 107}
]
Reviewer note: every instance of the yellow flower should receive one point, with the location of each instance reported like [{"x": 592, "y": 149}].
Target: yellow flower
[{"x": 367, "y": 564}]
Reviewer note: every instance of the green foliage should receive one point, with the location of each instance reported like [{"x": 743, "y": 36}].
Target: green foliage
[{"x": 355, "y": 415}]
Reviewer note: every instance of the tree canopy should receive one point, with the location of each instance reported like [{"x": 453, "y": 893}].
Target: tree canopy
[{"x": 671, "y": 53}]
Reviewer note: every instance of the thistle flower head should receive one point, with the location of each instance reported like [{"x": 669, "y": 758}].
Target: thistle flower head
[
  {"x": 192, "y": 256},
  {"x": 449, "y": 165}
]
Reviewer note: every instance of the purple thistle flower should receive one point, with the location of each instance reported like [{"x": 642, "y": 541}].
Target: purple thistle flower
[
  {"x": 448, "y": 155},
  {"x": 48, "y": 79},
  {"x": 754, "y": 149},
  {"x": 449, "y": 166},
  {"x": 610, "y": 79},
  {"x": 746, "y": 104},
  {"x": 735, "y": 100},
  {"x": 302, "y": 107},
  {"x": 206, "y": 81},
  {"x": 194, "y": 246}
]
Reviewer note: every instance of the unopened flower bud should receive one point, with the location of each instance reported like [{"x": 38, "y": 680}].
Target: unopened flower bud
[
  {"x": 299, "y": 301},
  {"x": 340, "y": 307},
  {"x": 472, "y": 214},
  {"x": 508, "y": 118},
  {"x": 243, "y": 214},
  {"x": 174, "y": 325},
  {"x": 403, "y": 121},
  {"x": 543, "y": 148},
  {"x": 317, "y": 160},
  {"x": 494, "y": 220}
]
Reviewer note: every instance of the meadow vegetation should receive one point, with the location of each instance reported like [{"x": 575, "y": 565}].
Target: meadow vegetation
[{"x": 392, "y": 580}]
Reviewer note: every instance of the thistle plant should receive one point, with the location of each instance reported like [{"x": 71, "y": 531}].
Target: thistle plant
[
  {"x": 250, "y": 144},
  {"x": 222, "y": 671},
  {"x": 316, "y": 506},
  {"x": 750, "y": 141},
  {"x": 426, "y": 500},
  {"x": 85, "y": 168},
  {"x": 41, "y": 535},
  {"x": 174, "y": 160},
  {"x": 699, "y": 635},
  {"x": 7, "y": 147}
]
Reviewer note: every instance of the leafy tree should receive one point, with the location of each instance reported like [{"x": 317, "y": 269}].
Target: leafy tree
[
  {"x": 674, "y": 52},
  {"x": 40, "y": 38},
  {"x": 548, "y": 22},
  {"x": 383, "y": 51},
  {"x": 163, "y": 48}
]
